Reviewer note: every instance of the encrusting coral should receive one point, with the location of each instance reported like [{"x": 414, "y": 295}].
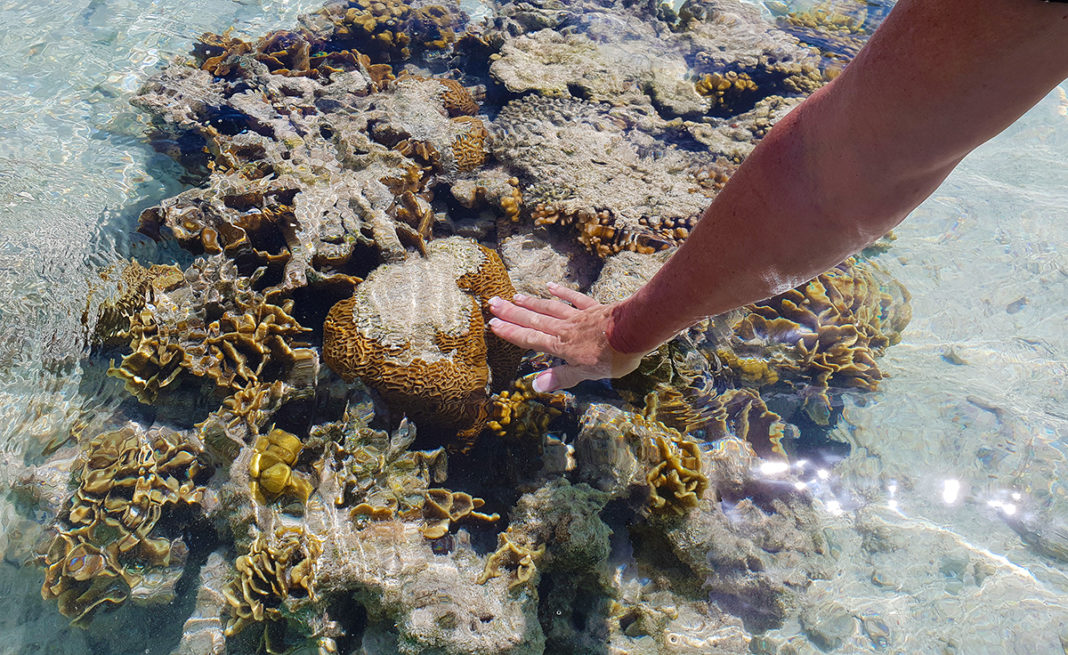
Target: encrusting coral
[
  {"x": 415, "y": 332},
  {"x": 443, "y": 508},
  {"x": 134, "y": 487}
]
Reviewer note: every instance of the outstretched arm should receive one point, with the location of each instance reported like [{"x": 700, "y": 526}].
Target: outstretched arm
[{"x": 936, "y": 80}]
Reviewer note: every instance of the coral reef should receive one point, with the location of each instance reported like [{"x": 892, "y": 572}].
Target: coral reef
[
  {"x": 115, "y": 536},
  {"x": 355, "y": 178},
  {"x": 613, "y": 196},
  {"x": 415, "y": 332},
  {"x": 271, "y": 467}
]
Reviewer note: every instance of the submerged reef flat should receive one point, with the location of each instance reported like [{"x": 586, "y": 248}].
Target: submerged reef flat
[{"x": 326, "y": 451}]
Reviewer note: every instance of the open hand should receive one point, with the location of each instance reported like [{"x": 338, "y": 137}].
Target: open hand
[{"x": 574, "y": 331}]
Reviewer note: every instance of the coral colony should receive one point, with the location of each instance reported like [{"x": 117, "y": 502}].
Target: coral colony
[{"x": 366, "y": 182}]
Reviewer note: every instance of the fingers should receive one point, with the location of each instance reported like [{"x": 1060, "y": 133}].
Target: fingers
[
  {"x": 525, "y": 337},
  {"x": 553, "y": 308},
  {"x": 523, "y": 317},
  {"x": 579, "y": 300},
  {"x": 561, "y": 377}
]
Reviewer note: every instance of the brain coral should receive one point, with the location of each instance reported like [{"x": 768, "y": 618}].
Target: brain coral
[{"x": 415, "y": 332}]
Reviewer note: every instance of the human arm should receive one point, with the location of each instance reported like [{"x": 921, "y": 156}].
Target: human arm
[{"x": 936, "y": 80}]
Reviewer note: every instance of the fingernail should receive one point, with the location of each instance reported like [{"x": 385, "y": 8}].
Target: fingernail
[
  {"x": 519, "y": 296},
  {"x": 494, "y": 322},
  {"x": 494, "y": 301},
  {"x": 539, "y": 386},
  {"x": 551, "y": 285}
]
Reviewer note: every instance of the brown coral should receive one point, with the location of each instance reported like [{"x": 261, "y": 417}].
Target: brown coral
[
  {"x": 435, "y": 363},
  {"x": 107, "y": 541},
  {"x": 443, "y": 508},
  {"x": 274, "y": 569},
  {"x": 469, "y": 147},
  {"x": 522, "y": 412},
  {"x": 135, "y": 285},
  {"x": 271, "y": 468},
  {"x": 512, "y": 557},
  {"x": 456, "y": 99},
  {"x": 730, "y": 91},
  {"x": 249, "y": 339},
  {"x": 676, "y": 482},
  {"x": 828, "y": 331},
  {"x": 377, "y": 475}
]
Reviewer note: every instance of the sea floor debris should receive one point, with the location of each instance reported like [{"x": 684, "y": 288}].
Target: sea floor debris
[{"x": 367, "y": 182}]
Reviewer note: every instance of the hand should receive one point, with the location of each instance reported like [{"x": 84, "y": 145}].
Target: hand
[{"x": 574, "y": 331}]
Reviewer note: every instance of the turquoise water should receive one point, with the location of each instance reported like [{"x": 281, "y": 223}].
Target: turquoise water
[{"x": 966, "y": 439}]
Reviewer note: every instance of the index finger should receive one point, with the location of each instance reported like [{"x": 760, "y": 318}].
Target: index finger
[{"x": 578, "y": 299}]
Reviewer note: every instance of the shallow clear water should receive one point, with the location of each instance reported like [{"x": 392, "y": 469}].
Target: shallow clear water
[{"x": 968, "y": 436}]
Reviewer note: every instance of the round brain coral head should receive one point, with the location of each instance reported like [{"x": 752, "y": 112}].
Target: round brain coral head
[{"x": 415, "y": 332}]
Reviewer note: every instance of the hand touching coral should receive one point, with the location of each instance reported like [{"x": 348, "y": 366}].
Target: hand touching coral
[{"x": 574, "y": 331}]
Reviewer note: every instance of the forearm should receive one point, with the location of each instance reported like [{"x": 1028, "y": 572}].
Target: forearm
[{"x": 847, "y": 165}]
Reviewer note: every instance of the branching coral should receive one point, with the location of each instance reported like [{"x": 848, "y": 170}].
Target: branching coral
[
  {"x": 522, "y": 413},
  {"x": 134, "y": 487},
  {"x": 276, "y": 568},
  {"x": 415, "y": 332}
]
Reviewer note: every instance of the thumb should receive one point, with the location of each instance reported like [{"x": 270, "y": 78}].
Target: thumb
[{"x": 560, "y": 377}]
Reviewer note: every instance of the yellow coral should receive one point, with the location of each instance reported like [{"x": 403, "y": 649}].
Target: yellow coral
[
  {"x": 271, "y": 468},
  {"x": 513, "y": 555},
  {"x": 676, "y": 482},
  {"x": 522, "y": 412},
  {"x": 107, "y": 541},
  {"x": 729, "y": 90}
]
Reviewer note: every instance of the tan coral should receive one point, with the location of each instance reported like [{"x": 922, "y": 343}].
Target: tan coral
[
  {"x": 456, "y": 99},
  {"x": 443, "y": 508},
  {"x": 522, "y": 413},
  {"x": 135, "y": 285},
  {"x": 271, "y": 468},
  {"x": 240, "y": 417},
  {"x": 377, "y": 475},
  {"x": 729, "y": 90},
  {"x": 435, "y": 363},
  {"x": 274, "y": 569},
  {"x": 107, "y": 540},
  {"x": 513, "y": 557},
  {"x": 676, "y": 482}
]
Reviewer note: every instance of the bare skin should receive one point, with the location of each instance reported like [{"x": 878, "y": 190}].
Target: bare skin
[{"x": 936, "y": 80}]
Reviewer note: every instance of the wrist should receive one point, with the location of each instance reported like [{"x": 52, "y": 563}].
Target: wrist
[{"x": 620, "y": 334}]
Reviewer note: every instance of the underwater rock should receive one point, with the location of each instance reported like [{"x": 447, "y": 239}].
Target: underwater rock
[
  {"x": 422, "y": 600},
  {"x": 202, "y": 633},
  {"x": 579, "y": 169},
  {"x": 624, "y": 273},
  {"x": 111, "y": 544},
  {"x": 213, "y": 324},
  {"x": 415, "y": 332}
]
